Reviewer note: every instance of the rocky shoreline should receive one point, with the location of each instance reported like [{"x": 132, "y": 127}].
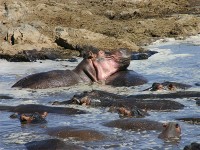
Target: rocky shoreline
[{"x": 61, "y": 28}]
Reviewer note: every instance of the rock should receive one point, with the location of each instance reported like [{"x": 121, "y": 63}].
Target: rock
[
  {"x": 197, "y": 84},
  {"x": 13, "y": 10},
  {"x": 76, "y": 39},
  {"x": 5, "y": 97},
  {"x": 192, "y": 146},
  {"x": 142, "y": 55}
]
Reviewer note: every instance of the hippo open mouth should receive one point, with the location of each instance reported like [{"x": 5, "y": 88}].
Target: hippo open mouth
[
  {"x": 96, "y": 66},
  {"x": 107, "y": 63}
]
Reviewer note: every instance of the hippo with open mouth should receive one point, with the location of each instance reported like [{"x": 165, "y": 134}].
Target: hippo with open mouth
[{"x": 97, "y": 66}]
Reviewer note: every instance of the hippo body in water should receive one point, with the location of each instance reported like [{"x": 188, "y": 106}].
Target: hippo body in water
[
  {"x": 51, "y": 144},
  {"x": 97, "y": 98},
  {"x": 80, "y": 134},
  {"x": 97, "y": 66},
  {"x": 32, "y": 108},
  {"x": 170, "y": 86},
  {"x": 168, "y": 130}
]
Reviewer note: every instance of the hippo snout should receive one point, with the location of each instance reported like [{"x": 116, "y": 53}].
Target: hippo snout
[{"x": 172, "y": 130}]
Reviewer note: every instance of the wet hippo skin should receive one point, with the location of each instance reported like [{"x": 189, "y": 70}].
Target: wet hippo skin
[
  {"x": 179, "y": 94},
  {"x": 135, "y": 124},
  {"x": 109, "y": 99},
  {"x": 31, "y": 108},
  {"x": 51, "y": 144},
  {"x": 132, "y": 78},
  {"x": 80, "y": 134},
  {"x": 97, "y": 66},
  {"x": 191, "y": 120},
  {"x": 171, "y": 129}
]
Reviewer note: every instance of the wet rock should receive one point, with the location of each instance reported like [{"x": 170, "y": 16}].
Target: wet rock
[
  {"x": 191, "y": 120},
  {"x": 143, "y": 55},
  {"x": 31, "y": 108},
  {"x": 197, "y": 84},
  {"x": 76, "y": 39},
  {"x": 72, "y": 60},
  {"x": 34, "y": 55},
  {"x": 5, "y": 97},
  {"x": 76, "y": 133},
  {"x": 51, "y": 144},
  {"x": 198, "y": 102},
  {"x": 192, "y": 146}
]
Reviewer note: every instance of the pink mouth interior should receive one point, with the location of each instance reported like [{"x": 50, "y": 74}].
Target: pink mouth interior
[{"x": 104, "y": 68}]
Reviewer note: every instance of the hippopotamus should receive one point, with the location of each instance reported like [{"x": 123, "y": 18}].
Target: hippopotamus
[
  {"x": 80, "y": 134},
  {"x": 98, "y": 98},
  {"x": 125, "y": 111},
  {"x": 32, "y": 108},
  {"x": 97, "y": 66},
  {"x": 192, "y": 120},
  {"x": 171, "y": 129},
  {"x": 51, "y": 144},
  {"x": 171, "y": 86},
  {"x": 33, "y": 118}
]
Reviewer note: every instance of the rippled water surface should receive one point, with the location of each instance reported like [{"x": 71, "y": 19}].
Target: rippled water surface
[{"x": 176, "y": 61}]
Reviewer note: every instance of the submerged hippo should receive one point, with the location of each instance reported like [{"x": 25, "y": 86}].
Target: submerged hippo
[
  {"x": 32, "y": 108},
  {"x": 51, "y": 144},
  {"x": 191, "y": 120},
  {"x": 80, "y": 134},
  {"x": 168, "y": 131},
  {"x": 97, "y": 66},
  {"x": 171, "y": 86},
  {"x": 32, "y": 118},
  {"x": 97, "y": 98}
]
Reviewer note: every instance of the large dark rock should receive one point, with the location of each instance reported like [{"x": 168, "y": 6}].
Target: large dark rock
[{"x": 192, "y": 146}]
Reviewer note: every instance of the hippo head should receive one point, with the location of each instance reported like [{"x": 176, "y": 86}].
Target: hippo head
[
  {"x": 172, "y": 130},
  {"x": 107, "y": 63}
]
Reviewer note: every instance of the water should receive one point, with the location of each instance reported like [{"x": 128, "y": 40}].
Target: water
[{"x": 176, "y": 61}]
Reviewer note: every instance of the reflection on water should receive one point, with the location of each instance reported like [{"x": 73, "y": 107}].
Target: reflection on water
[{"x": 175, "y": 62}]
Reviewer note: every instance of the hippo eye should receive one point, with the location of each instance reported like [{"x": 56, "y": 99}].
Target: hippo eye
[{"x": 177, "y": 125}]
